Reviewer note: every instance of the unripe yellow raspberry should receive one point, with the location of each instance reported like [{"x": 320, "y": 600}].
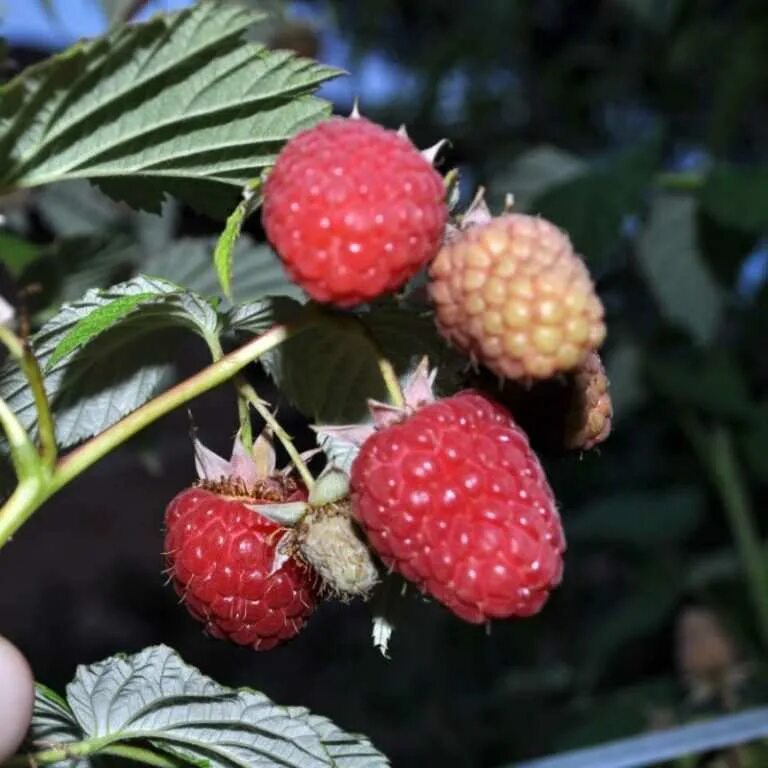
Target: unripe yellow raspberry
[
  {"x": 591, "y": 410},
  {"x": 512, "y": 293}
]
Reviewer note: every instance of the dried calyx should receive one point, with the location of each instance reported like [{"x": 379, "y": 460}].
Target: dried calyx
[
  {"x": 325, "y": 536},
  {"x": 247, "y": 474}
]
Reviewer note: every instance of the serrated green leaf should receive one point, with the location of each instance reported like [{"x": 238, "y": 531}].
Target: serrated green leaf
[
  {"x": 224, "y": 253},
  {"x": 669, "y": 258},
  {"x": 94, "y": 323},
  {"x": 255, "y": 317},
  {"x": 345, "y": 749},
  {"x": 738, "y": 197},
  {"x": 343, "y": 361},
  {"x": 639, "y": 519},
  {"x": 73, "y": 265},
  {"x": 93, "y": 387},
  {"x": 592, "y": 207},
  {"x": 52, "y": 722},
  {"x": 155, "y": 696},
  {"x": 257, "y": 271},
  {"x": 179, "y": 105},
  {"x": 342, "y": 351}
]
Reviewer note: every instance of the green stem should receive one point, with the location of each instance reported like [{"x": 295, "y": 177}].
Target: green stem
[
  {"x": 717, "y": 452},
  {"x": 262, "y": 409},
  {"x": 246, "y": 397},
  {"x": 26, "y": 460},
  {"x": 681, "y": 181},
  {"x": 13, "y": 515},
  {"x": 22, "y": 352},
  {"x": 142, "y": 755},
  {"x": 391, "y": 382},
  {"x": 75, "y": 749}
]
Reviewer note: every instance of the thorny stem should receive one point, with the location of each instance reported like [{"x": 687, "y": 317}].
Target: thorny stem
[
  {"x": 716, "y": 451},
  {"x": 33, "y": 492}
]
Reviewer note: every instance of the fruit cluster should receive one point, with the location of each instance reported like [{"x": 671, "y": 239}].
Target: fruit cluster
[{"x": 446, "y": 492}]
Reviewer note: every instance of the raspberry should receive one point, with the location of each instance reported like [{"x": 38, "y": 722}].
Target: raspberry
[
  {"x": 229, "y": 564},
  {"x": 453, "y": 498},
  {"x": 353, "y": 210},
  {"x": 591, "y": 411},
  {"x": 511, "y": 292}
]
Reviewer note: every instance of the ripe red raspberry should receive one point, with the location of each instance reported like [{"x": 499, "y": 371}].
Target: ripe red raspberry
[
  {"x": 227, "y": 564},
  {"x": 353, "y": 210},
  {"x": 453, "y": 498},
  {"x": 511, "y": 292}
]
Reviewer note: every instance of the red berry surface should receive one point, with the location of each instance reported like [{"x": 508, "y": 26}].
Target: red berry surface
[
  {"x": 222, "y": 560},
  {"x": 353, "y": 210},
  {"x": 454, "y": 499}
]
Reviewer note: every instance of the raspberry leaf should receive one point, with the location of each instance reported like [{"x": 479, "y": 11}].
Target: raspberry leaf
[
  {"x": 669, "y": 257},
  {"x": 105, "y": 373},
  {"x": 154, "y": 696},
  {"x": 223, "y": 255},
  {"x": 179, "y": 105},
  {"x": 346, "y": 750},
  {"x": 53, "y": 721},
  {"x": 99, "y": 320},
  {"x": 534, "y": 172},
  {"x": 342, "y": 350},
  {"x": 256, "y": 271},
  {"x": 614, "y": 189}
]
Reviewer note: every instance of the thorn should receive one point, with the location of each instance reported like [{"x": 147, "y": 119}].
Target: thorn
[
  {"x": 403, "y": 131},
  {"x": 509, "y": 202},
  {"x": 430, "y": 153},
  {"x": 355, "y": 113}
]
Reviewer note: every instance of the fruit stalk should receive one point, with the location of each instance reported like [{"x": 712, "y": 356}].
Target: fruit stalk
[
  {"x": 247, "y": 395},
  {"x": 391, "y": 382}
]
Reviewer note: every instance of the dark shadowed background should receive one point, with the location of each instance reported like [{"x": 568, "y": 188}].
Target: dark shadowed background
[{"x": 642, "y": 128}]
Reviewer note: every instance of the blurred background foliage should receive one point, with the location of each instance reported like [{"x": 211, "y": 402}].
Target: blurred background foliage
[{"x": 641, "y": 127}]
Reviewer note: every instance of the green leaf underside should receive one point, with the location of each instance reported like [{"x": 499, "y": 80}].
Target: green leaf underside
[
  {"x": 179, "y": 105},
  {"x": 93, "y": 324},
  {"x": 154, "y": 696},
  {"x": 52, "y": 723},
  {"x": 93, "y": 387},
  {"x": 341, "y": 350},
  {"x": 669, "y": 258}
]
